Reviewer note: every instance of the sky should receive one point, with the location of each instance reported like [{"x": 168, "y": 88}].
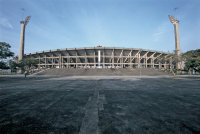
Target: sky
[{"x": 58, "y": 24}]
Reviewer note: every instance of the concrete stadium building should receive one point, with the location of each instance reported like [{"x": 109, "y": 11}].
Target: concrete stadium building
[{"x": 102, "y": 57}]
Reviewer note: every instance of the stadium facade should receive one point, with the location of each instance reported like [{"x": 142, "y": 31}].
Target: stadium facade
[{"x": 102, "y": 57}]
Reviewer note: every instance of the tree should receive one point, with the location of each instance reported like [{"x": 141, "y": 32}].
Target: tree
[
  {"x": 28, "y": 63},
  {"x": 13, "y": 65},
  {"x": 193, "y": 63},
  {"x": 4, "y": 54},
  {"x": 5, "y": 50},
  {"x": 192, "y": 60},
  {"x": 3, "y": 65}
]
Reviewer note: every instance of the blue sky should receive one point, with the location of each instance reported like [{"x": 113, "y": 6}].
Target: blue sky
[{"x": 57, "y": 24}]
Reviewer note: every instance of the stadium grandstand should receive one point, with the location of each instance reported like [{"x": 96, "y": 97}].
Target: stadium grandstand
[{"x": 102, "y": 57}]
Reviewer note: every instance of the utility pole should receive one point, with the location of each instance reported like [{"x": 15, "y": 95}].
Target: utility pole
[
  {"x": 177, "y": 40},
  {"x": 22, "y": 37}
]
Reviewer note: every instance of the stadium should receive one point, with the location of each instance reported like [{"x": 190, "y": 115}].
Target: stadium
[
  {"x": 98, "y": 90},
  {"x": 102, "y": 57}
]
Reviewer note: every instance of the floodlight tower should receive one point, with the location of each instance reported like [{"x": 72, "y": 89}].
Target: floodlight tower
[
  {"x": 177, "y": 40},
  {"x": 22, "y": 37}
]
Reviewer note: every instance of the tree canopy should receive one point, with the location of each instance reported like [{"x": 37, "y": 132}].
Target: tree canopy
[
  {"x": 5, "y": 53},
  {"x": 28, "y": 63},
  {"x": 192, "y": 60},
  {"x": 13, "y": 65},
  {"x": 5, "y": 50}
]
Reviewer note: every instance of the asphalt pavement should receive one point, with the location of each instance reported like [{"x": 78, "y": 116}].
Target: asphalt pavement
[{"x": 99, "y": 105}]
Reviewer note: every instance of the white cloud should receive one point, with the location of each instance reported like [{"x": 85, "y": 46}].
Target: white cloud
[
  {"x": 157, "y": 36},
  {"x": 5, "y": 23},
  {"x": 160, "y": 32}
]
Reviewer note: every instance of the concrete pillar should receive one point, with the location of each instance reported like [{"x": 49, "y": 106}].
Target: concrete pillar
[
  {"x": 22, "y": 38},
  {"x": 165, "y": 65},
  {"x": 99, "y": 59},
  {"x": 76, "y": 60},
  {"x": 68, "y": 61},
  {"x": 122, "y": 59},
  {"x": 85, "y": 59},
  {"x": 113, "y": 59},
  {"x": 170, "y": 64},
  {"x": 159, "y": 65},
  {"x": 177, "y": 40},
  {"x": 139, "y": 60},
  {"x": 52, "y": 61},
  {"x": 60, "y": 60},
  {"x": 153, "y": 62},
  {"x": 103, "y": 59},
  {"x": 177, "y": 45},
  {"x": 39, "y": 62},
  {"x": 94, "y": 60},
  {"x": 45, "y": 61},
  {"x": 130, "y": 60},
  {"x": 146, "y": 62}
]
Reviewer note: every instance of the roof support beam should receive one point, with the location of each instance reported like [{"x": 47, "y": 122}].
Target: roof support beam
[
  {"x": 128, "y": 56},
  {"x": 120, "y": 55}
]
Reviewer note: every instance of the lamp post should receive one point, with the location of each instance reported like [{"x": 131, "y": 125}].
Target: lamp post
[
  {"x": 22, "y": 37},
  {"x": 177, "y": 40}
]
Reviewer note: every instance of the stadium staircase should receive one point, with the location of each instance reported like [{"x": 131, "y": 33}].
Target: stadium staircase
[{"x": 103, "y": 72}]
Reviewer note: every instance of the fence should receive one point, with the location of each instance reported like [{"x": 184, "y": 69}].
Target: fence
[{"x": 6, "y": 72}]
